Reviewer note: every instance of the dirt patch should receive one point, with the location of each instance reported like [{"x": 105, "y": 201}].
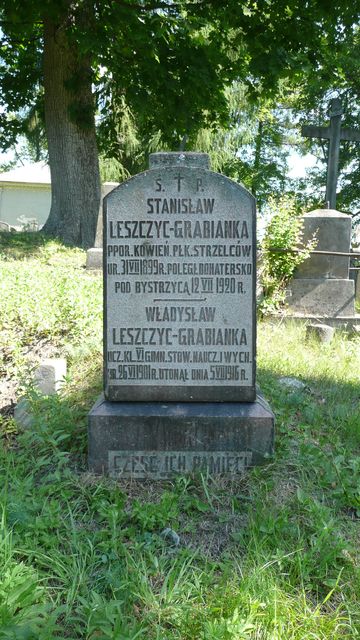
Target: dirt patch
[{"x": 214, "y": 534}]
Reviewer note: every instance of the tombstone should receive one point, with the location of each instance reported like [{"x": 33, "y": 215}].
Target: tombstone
[
  {"x": 321, "y": 286},
  {"x": 94, "y": 256},
  {"x": 355, "y": 264},
  {"x": 356, "y": 279},
  {"x": 179, "y": 327}
]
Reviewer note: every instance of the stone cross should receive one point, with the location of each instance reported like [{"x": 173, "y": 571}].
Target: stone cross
[{"x": 334, "y": 133}]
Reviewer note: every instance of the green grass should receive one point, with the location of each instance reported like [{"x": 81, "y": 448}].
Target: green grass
[{"x": 273, "y": 555}]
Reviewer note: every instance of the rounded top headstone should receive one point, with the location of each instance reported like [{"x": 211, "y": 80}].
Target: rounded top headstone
[
  {"x": 179, "y": 265},
  {"x": 179, "y": 159}
]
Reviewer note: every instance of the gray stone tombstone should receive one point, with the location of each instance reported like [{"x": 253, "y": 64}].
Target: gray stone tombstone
[
  {"x": 321, "y": 286},
  {"x": 179, "y": 326},
  {"x": 354, "y": 272},
  {"x": 94, "y": 256}
]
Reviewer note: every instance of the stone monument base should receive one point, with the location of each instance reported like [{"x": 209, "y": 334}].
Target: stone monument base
[
  {"x": 94, "y": 258},
  {"x": 154, "y": 440},
  {"x": 320, "y": 296}
]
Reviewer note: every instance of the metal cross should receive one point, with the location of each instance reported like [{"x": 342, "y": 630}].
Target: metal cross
[{"x": 334, "y": 133}]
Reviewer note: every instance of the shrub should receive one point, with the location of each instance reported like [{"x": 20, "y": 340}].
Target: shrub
[{"x": 284, "y": 231}]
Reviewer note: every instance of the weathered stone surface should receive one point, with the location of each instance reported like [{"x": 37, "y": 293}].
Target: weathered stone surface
[
  {"x": 49, "y": 376},
  {"x": 22, "y": 414},
  {"x": 321, "y": 332},
  {"x": 180, "y": 319},
  {"x": 180, "y": 327},
  {"x": 94, "y": 258},
  {"x": 333, "y": 233},
  {"x": 357, "y": 287},
  {"x": 292, "y": 383},
  {"x": 178, "y": 158},
  {"x": 106, "y": 188},
  {"x": 154, "y": 440},
  {"x": 325, "y": 297}
]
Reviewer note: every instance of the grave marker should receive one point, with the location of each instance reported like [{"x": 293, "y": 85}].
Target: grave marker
[
  {"x": 321, "y": 287},
  {"x": 180, "y": 264},
  {"x": 94, "y": 256},
  {"x": 179, "y": 326}
]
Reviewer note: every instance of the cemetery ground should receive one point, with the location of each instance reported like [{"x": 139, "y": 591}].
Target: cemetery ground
[{"x": 272, "y": 555}]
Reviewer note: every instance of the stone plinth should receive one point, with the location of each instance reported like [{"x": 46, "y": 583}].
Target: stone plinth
[
  {"x": 320, "y": 296},
  {"x": 142, "y": 440}
]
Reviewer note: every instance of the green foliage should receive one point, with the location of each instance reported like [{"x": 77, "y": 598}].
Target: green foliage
[
  {"x": 150, "y": 517},
  {"x": 123, "y": 156},
  {"x": 30, "y": 144},
  {"x": 160, "y": 77},
  {"x": 252, "y": 147},
  {"x": 282, "y": 251},
  {"x": 43, "y": 296},
  {"x": 340, "y": 473},
  {"x": 336, "y": 77},
  {"x": 172, "y": 63},
  {"x": 24, "y": 612},
  {"x": 104, "y": 619}
]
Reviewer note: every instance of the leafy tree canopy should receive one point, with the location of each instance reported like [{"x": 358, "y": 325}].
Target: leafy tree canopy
[{"x": 168, "y": 60}]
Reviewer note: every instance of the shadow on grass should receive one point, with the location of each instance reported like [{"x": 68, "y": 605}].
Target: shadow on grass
[
  {"x": 21, "y": 245},
  {"x": 325, "y": 408},
  {"x": 323, "y": 411}
]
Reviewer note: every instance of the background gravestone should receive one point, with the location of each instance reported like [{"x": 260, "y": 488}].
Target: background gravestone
[
  {"x": 94, "y": 256},
  {"x": 179, "y": 326},
  {"x": 321, "y": 285}
]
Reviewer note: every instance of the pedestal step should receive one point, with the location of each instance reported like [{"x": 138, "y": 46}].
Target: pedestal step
[{"x": 155, "y": 440}]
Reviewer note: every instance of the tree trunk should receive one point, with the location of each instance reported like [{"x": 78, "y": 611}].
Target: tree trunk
[{"x": 70, "y": 129}]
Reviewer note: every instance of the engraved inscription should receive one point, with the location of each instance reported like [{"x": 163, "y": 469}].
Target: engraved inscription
[
  {"x": 164, "y": 464},
  {"x": 180, "y": 282}
]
